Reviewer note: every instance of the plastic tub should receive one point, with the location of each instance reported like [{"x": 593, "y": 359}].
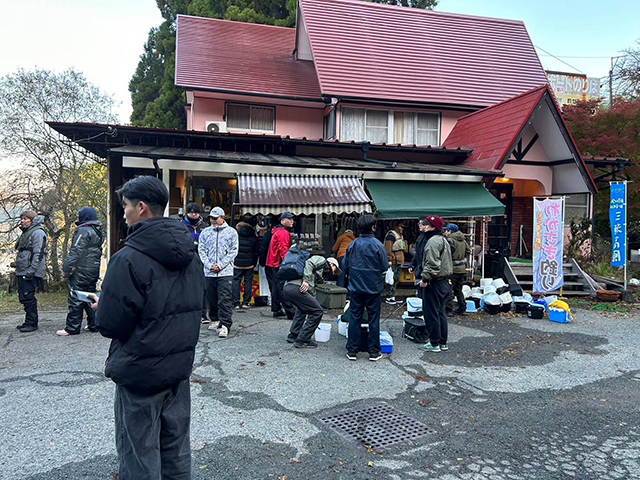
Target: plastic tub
[
  {"x": 521, "y": 307},
  {"x": 471, "y": 306},
  {"x": 323, "y": 332},
  {"x": 491, "y": 309},
  {"x": 535, "y": 311},
  {"x": 558, "y": 315},
  {"x": 489, "y": 289},
  {"x": 386, "y": 342},
  {"x": 498, "y": 282},
  {"x": 485, "y": 282},
  {"x": 505, "y": 307}
]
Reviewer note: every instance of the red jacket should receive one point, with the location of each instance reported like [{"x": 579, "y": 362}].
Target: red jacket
[{"x": 279, "y": 246}]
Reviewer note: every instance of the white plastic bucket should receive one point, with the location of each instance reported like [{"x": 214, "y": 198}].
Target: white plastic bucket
[
  {"x": 342, "y": 327},
  {"x": 489, "y": 289},
  {"x": 323, "y": 332},
  {"x": 484, "y": 282}
]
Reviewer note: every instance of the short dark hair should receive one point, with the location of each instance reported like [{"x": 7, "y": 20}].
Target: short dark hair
[
  {"x": 146, "y": 189},
  {"x": 365, "y": 224},
  {"x": 193, "y": 206}
]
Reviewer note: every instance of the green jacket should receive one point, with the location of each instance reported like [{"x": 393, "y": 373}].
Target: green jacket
[
  {"x": 461, "y": 252},
  {"x": 436, "y": 260},
  {"x": 314, "y": 265}
]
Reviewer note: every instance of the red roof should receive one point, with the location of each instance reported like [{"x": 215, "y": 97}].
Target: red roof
[
  {"x": 491, "y": 132},
  {"x": 369, "y": 50},
  {"x": 220, "y": 55}
]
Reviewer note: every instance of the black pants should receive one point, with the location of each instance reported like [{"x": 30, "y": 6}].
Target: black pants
[
  {"x": 152, "y": 433},
  {"x": 308, "y": 312},
  {"x": 219, "y": 296},
  {"x": 373, "y": 304},
  {"x": 457, "y": 280},
  {"x": 276, "y": 285},
  {"x": 238, "y": 276},
  {"x": 77, "y": 307},
  {"x": 27, "y": 297},
  {"x": 434, "y": 299}
]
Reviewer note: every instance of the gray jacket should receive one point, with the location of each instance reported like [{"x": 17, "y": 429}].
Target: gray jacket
[
  {"x": 436, "y": 259},
  {"x": 218, "y": 245},
  {"x": 32, "y": 250}
]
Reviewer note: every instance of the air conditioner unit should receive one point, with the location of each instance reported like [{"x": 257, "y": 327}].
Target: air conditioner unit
[{"x": 216, "y": 127}]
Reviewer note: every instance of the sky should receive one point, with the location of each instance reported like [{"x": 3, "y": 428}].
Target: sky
[{"x": 105, "y": 38}]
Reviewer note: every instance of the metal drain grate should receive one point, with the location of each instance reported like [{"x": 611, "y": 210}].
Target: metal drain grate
[{"x": 377, "y": 426}]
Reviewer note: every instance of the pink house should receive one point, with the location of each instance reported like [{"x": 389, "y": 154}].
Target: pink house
[{"x": 419, "y": 111}]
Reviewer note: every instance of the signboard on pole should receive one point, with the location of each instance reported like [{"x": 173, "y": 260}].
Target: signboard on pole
[
  {"x": 548, "y": 239},
  {"x": 618, "y": 219}
]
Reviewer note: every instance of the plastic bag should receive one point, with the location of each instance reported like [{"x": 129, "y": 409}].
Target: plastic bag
[{"x": 388, "y": 277}]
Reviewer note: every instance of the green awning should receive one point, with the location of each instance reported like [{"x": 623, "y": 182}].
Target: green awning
[{"x": 404, "y": 199}]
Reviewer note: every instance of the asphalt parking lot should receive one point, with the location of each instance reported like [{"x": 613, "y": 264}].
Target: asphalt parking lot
[{"x": 513, "y": 398}]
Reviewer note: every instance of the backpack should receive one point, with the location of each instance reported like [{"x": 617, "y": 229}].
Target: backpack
[{"x": 292, "y": 267}]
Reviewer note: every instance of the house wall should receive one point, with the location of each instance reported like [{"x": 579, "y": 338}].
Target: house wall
[{"x": 290, "y": 120}]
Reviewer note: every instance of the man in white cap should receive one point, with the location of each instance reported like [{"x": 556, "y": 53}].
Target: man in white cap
[{"x": 218, "y": 247}]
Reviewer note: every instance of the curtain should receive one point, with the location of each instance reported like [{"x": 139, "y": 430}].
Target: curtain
[
  {"x": 238, "y": 116},
  {"x": 262, "y": 118},
  {"x": 377, "y": 126},
  {"x": 352, "y": 125},
  {"x": 427, "y": 129}
]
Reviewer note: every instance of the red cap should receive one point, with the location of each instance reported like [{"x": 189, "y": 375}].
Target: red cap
[{"x": 436, "y": 221}]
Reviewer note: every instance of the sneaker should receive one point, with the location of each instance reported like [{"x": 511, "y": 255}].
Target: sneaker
[
  {"x": 290, "y": 316},
  {"x": 374, "y": 357},
  {"x": 279, "y": 313},
  {"x": 205, "y": 320},
  {"x": 390, "y": 300},
  {"x": 462, "y": 313},
  {"x": 427, "y": 347},
  {"x": 352, "y": 356},
  {"x": 63, "y": 333},
  {"x": 444, "y": 347},
  {"x": 28, "y": 328},
  {"x": 214, "y": 325},
  {"x": 245, "y": 306},
  {"x": 309, "y": 344},
  {"x": 90, "y": 329},
  {"x": 224, "y": 332},
  {"x": 236, "y": 307},
  {"x": 450, "y": 314},
  {"x": 291, "y": 338},
  {"x": 21, "y": 326}
]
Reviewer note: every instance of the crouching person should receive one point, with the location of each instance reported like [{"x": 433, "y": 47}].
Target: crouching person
[
  {"x": 150, "y": 306},
  {"x": 301, "y": 293}
]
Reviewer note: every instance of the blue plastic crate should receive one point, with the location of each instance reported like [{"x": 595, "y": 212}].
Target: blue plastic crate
[{"x": 386, "y": 342}]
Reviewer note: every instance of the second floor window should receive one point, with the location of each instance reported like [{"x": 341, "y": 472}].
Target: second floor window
[
  {"x": 251, "y": 118},
  {"x": 359, "y": 124}
]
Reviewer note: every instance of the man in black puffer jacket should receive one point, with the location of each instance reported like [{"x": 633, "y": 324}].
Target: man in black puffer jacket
[
  {"x": 82, "y": 267},
  {"x": 245, "y": 262},
  {"x": 150, "y": 306}
]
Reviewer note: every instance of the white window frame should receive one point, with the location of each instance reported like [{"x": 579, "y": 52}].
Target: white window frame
[
  {"x": 251, "y": 107},
  {"x": 587, "y": 207},
  {"x": 390, "y": 124}
]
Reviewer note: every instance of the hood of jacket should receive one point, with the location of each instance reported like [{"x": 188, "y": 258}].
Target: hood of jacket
[
  {"x": 86, "y": 214},
  {"x": 245, "y": 230},
  {"x": 163, "y": 239},
  {"x": 457, "y": 236}
]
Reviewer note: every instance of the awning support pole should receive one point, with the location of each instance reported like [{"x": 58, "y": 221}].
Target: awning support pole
[{"x": 484, "y": 243}]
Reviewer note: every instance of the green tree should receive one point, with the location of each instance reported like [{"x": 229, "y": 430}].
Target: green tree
[
  {"x": 51, "y": 177},
  {"x": 155, "y": 99}
]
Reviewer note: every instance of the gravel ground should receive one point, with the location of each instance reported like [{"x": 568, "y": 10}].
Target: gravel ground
[{"x": 513, "y": 398}]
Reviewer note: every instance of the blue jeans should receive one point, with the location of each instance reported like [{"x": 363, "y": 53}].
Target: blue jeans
[{"x": 373, "y": 304}]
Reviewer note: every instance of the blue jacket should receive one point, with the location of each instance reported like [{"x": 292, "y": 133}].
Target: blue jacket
[{"x": 365, "y": 263}]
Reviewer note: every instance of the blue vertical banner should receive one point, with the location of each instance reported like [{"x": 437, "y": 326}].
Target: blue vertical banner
[
  {"x": 618, "y": 219},
  {"x": 548, "y": 242}
]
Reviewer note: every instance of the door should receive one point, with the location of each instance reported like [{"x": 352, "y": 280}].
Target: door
[{"x": 500, "y": 227}]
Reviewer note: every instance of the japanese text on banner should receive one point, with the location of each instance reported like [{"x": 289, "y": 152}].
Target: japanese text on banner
[
  {"x": 548, "y": 240},
  {"x": 618, "y": 218}
]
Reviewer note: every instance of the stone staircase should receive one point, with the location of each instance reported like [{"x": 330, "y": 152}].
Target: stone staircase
[{"x": 575, "y": 282}]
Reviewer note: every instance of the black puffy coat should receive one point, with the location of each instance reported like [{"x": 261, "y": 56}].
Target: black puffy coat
[
  {"x": 85, "y": 254},
  {"x": 151, "y": 304},
  {"x": 248, "y": 246}
]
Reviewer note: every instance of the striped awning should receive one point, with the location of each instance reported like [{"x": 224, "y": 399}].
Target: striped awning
[{"x": 301, "y": 194}]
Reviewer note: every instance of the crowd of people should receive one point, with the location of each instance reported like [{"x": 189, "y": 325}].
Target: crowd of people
[{"x": 172, "y": 276}]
